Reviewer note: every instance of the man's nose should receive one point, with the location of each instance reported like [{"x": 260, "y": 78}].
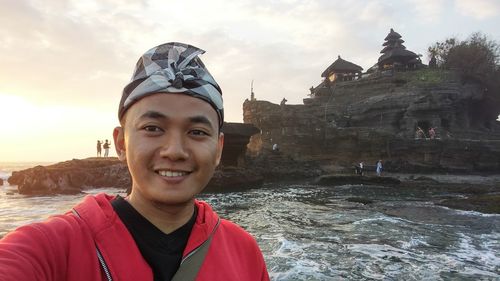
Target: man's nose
[{"x": 174, "y": 147}]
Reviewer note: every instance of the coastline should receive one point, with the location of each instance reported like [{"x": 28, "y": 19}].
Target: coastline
[
  {"x": 479, "y": 193},
  {"x": 458, "y": 191}
]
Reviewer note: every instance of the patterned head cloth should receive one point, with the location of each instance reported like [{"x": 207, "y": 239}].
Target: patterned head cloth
[{"x": 172, "y": 68}]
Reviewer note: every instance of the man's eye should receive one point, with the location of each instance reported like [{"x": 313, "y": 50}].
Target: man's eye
[
  {"x": 199, "y": 133},
  {"x": 152, "y": 129}
]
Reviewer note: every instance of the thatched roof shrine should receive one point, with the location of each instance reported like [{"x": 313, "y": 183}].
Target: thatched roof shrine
[{"x": 341, "y": 66}]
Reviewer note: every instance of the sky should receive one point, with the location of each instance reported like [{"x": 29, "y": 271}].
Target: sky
[{"x": 63, "y": 63}]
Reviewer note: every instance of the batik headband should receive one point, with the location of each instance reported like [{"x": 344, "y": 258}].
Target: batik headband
[{"x": 172, "y": 68}]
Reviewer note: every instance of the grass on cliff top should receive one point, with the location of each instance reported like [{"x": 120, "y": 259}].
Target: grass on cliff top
[{"x": 425, "y": 77}]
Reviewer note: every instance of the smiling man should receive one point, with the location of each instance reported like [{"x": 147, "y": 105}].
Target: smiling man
[{"x": 170, "y": 136}]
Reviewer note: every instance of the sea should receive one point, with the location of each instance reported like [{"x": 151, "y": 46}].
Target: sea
[{"x": 310, "y": 232}]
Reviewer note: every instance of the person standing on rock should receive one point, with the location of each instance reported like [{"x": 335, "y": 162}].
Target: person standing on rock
[
  {"x": 171, "y": 115},
  {"x": 106, "y": 146},
  {"x": 99, "y": 148},
  {"x": 379, "y": 168}
]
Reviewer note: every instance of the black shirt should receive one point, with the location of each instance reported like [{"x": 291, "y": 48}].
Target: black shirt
[{"x": 163, "y": 252}]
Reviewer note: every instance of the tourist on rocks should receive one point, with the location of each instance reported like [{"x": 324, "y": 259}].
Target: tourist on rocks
[
  {"x": 361, "y": 166},
  {"x": 170, "y": 137},
  {"x": 99, "y": 148},
  {"x": 106, "y": 146},
  {"x": 276, "y": 148},
  {"x": 419, "y": 134},
  {"x": 379, "y": 168},
  {"x": 432, "y": 133}
]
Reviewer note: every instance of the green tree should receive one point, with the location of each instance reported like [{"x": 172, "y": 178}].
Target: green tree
[{"x": 476, "y": 59}]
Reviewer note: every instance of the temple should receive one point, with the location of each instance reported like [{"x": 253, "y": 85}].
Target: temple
[
  {"x": 342, "y": 70},
  {"x": 339, "y": 71},
  {"x": 395, "y": 55},
  {"x": 352, "y": 116}
]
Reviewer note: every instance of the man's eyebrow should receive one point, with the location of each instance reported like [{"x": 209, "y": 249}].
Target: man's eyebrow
[
  {"x": 201, "y": 119},
  {"x": 154, "y": 115}
]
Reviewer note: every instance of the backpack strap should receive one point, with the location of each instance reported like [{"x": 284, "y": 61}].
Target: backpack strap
[{"x": 191, "y": 264}]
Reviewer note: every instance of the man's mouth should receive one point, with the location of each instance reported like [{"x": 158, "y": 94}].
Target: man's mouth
[{"x": 171, "y": 173}]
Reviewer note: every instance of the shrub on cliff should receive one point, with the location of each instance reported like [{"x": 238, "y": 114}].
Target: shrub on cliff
[{"x": 476, "y": 59}]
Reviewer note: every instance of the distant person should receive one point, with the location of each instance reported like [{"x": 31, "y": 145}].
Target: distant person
[
  {"x": 283, "y": 102},
  {"x": 432, "y": 133},
  {"x": 359, "y": 168},
  {"x": 276, "y": 148},
  {"x": 99, "y": 148},
  {"x": 379, "y": 168},
  {"x": 419, "y": 133},
  {"x": 106, "y": 146},
  {"x": 170, "y": 138}
]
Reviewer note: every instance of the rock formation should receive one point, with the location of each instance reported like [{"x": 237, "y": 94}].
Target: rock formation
[
  {"x": 72, "y": 176},
  {"x": 375, "y": 117}
]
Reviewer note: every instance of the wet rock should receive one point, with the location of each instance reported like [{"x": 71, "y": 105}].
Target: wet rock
[
  {"x": 488, "y": 203},
  {"x": 361, "y": 200},
  {"x": 72, "y": 176},
  {"x": 346, "y": 179},
  {"x": 424, "y": 179},
  {"x": 233, "y": 179}
]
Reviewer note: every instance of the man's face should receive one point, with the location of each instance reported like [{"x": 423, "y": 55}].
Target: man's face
[{"x": 172, "y": 145}]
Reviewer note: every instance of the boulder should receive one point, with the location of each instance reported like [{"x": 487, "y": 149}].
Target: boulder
[{"x": 71, "y": 176}]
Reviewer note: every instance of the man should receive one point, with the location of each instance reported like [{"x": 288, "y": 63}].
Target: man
[
  {"x": 170, "y": 114},
  {"x": 106, "y": 148},
  {"x": 98, "y": 148}
]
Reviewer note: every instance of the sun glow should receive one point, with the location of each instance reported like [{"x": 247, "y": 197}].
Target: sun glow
[{"x": 39, "y": 132}]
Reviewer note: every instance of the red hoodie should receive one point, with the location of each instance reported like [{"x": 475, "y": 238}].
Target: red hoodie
[{"x": 65, "y": 248}]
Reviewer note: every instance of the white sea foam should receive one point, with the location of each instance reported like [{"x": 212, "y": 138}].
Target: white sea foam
[
  {"x": 381, "y": 218},
  {"x": 469, "y": 213},
  {"x": 315, "y": 234}
]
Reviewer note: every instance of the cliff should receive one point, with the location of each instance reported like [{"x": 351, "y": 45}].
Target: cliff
[{"x": 376, "y": 117}]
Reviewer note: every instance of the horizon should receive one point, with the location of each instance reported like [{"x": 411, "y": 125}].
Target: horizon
[{"x": 65, "y": 63}]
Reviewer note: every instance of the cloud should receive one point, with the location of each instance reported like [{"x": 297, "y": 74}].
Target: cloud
[
  {"x": 428, "y": 11},
  {"x": 62, "y": 51},
  {"x": 479, "y": 9}
]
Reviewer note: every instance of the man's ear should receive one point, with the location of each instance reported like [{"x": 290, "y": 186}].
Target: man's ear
[
  {"x": 220, "y": 146},
  {"x": 119, "y": 138}
]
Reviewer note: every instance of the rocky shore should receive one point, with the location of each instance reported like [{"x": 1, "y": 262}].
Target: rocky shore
[
  {"x": 72, "y": 176},
  {"x": 465, "y": 192},
  {"x": 479, "y": 193},
  {"x": 77, "y": 175}
]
